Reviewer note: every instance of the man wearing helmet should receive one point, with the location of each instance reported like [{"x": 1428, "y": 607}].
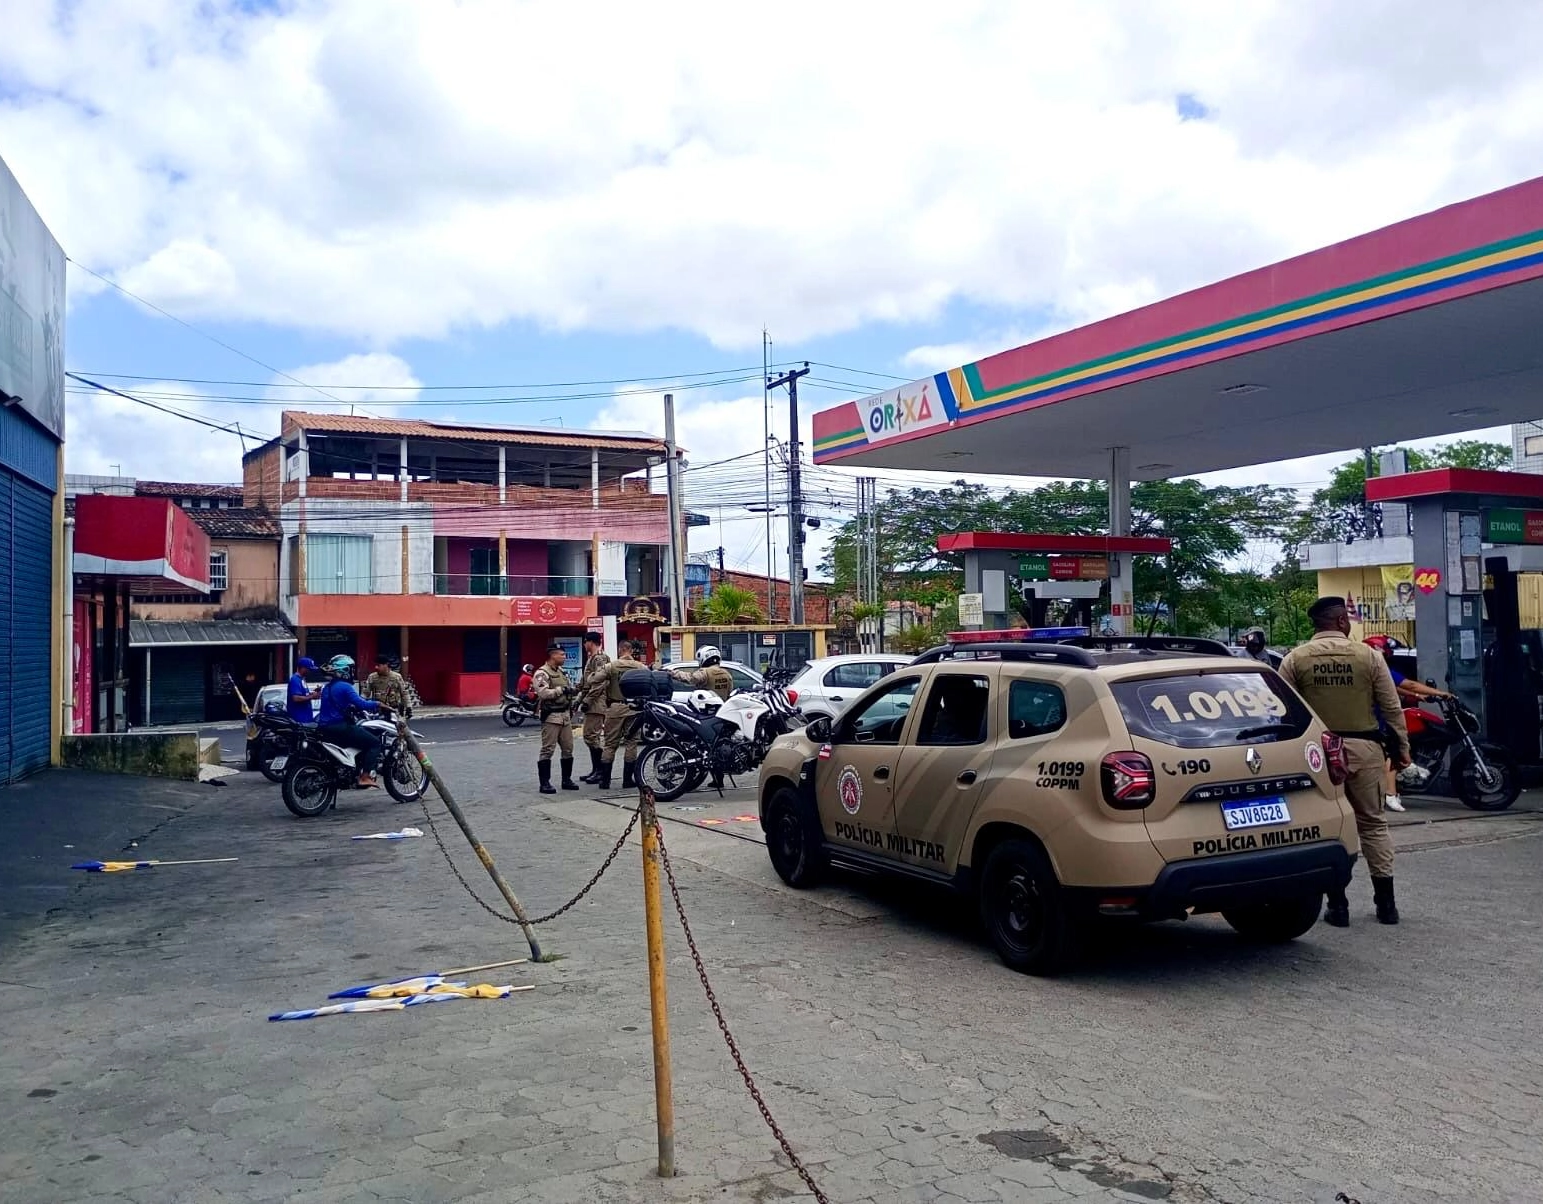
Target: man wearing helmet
[
  {"x": 1253, "y": 644},
  {"x": 336, "y": 723},
  {"x": 711, "y": 676},
  {"x": 1408, "y": 691}
]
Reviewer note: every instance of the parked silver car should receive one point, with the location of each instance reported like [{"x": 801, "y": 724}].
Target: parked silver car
[{"x": 825, "y": 686}]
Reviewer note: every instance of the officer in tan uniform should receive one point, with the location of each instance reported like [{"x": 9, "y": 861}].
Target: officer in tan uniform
[
  {"x": 621, "y": 721},
  {"x": 554, "y": 698},
  {"x": 1348, "y": 685},
  {"x": 592, "y": 691},
  {"x": 711, "y": 676}
]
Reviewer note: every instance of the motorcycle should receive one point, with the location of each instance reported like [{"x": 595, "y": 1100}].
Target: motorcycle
[
  {"x": 317, "y": 770},
  {"x": 687, "y": 747},
  {"x": 277, "y": 736},
  {"x": 1484, "y": 777},
  {"x": 518, "y": 709}
]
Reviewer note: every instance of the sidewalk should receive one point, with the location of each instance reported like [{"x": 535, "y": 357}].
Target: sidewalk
[{"x": 233, "y": 725}]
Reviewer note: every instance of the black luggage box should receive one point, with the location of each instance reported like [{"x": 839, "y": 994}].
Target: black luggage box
[{"x": 640, "y": 684}]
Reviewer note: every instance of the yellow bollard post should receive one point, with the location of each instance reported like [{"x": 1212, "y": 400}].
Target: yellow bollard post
[{"x": 664, "y": 1095}]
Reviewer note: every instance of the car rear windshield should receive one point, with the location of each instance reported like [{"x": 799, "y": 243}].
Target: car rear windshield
[{"x": 1212, "y": 710}]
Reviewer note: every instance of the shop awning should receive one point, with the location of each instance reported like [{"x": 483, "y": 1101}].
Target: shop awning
[{"x": 164, "y": 633}]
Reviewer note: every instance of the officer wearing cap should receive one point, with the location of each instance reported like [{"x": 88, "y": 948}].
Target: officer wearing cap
[{"x": 1348, "y": 685}]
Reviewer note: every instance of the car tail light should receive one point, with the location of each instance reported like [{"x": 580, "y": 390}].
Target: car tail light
[
  {"x": 1129, "y": 781},
  {"x": 1334, "y": 754},
  {"x": 792, "y": 697}
]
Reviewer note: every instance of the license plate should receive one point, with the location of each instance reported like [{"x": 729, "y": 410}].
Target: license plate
[
  {"x": 1264, "y": 813},
  {"x": 278, "y": 763}
]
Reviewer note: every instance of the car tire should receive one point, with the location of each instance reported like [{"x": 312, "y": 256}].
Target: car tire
[
  {"x": 1277, "y": 922},
  {"x": 1024, "y": 910},
  {"x": 793, "y": 840}
]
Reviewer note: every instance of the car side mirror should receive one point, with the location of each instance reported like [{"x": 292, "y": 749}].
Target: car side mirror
[{"x": 819, "y": 729}]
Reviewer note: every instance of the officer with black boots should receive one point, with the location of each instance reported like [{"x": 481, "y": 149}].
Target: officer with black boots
[
  {"x": 1347, "y": 685},
  {"x": 554, "y": 697},
  {"x": 621, "y": 721},
  {"x": 592, "y": 691}
]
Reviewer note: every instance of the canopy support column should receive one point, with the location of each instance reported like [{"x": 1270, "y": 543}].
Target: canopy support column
[{"x": 1122, "y": 566}]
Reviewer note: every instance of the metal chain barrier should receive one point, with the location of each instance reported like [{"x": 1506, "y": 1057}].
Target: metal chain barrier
[
  {"x": 723, "y": 1025},
  {"x": 621, "y": 842}
]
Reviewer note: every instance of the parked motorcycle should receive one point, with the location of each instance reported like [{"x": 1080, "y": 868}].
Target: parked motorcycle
[
  {"x": 317, "y": 770},
  {"x": 277, "y": 736},
  {"x": 518, "y": 709},
  {"x": 687, "y": 747},
  {"x": 1483, "y": 776}
]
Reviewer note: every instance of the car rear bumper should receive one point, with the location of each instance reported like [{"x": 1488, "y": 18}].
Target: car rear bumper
[{"x": 1240, "y": 879}]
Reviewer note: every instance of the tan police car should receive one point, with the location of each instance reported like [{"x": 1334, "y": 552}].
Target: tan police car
[{"x": 1143, "y": 778}]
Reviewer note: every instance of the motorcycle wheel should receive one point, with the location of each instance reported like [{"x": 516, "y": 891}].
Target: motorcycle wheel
[
  {"x": 698, "y": 776},
  {"x": 405, "y": 778},
  {"x": 267, "y": 749},
  {"x": 308, "y": 789},
  {"x": 1495, "y": 793},
  {"x": 514, "y": 717},
  {"x": 663, "y": 769}
]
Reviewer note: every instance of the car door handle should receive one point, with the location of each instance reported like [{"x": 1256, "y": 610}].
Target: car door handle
[
  {"x": 835, "y": 698},
  {"x": 881, "y": 772},
  {"x": 967, "y": 778}
]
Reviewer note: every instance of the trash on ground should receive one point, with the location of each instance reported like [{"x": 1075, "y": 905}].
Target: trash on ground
[{"x": 404, "y": 834}]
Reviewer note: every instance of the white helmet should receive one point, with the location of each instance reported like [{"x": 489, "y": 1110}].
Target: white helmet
[{"x": 708, "y": 655}]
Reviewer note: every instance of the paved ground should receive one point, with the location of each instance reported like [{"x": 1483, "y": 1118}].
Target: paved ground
[
  {"x": 435, "y": 729},
  {"x": 905, "y": 1063}
]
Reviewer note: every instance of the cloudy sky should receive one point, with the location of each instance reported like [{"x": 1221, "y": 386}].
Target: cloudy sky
[{"x": 373, "y": 199}]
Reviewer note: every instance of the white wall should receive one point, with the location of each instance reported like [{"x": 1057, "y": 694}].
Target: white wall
[{"x": 383, "y": 521}]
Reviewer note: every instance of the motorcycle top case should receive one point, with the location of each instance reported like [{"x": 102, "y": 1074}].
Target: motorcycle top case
[{"x": 638, "y": 685}]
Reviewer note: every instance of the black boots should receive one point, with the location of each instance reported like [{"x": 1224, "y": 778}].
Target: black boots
[
  {"x": 593, "y": 775},
  {"x": 1382, "y": 892},
  {"x": 629, "y": 777},
  {"x": 1337, "y": 912},
  {"x": 544, "y": 773},
  {"x": 568, "y": 782},
  {"x": 603, "y": 781}
]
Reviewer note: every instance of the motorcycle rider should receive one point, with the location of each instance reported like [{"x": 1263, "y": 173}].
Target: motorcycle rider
[
  {"x": 621, "y": 721},
  {"x": 1408, "y": 691},
  {"x": 522, "y": 686},
  {"x": 1253, "y": 644},
  {"x": 711, "y": 675},
  {"x": 592, "y": 692},
  {"x": 336, "y": 723},
  {"x": 1348, "y": 686},
  {"x": 554, "y": 702}
]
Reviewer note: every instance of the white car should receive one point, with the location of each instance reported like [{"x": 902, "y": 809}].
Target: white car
[
  {"x": 826, "y": 686},
  {"x": 745, "y": 678}
]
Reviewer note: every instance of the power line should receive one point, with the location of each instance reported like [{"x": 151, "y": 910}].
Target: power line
[{"x": 667, "y": 377}]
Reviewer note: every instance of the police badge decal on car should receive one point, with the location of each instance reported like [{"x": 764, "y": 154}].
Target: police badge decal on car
[{"x": 849, "y": 789}]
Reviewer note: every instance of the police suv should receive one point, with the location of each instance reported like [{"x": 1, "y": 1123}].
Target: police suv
[{"x": 1147, "y": 778}]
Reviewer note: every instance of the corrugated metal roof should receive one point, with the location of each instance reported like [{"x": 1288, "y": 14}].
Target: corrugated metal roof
[
  {"x": 418, "y": 428},
  {"x": 165, "y": 633}
]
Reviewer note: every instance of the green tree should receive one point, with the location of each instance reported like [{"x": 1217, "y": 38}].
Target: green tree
[{"x": 730, "y": 604}]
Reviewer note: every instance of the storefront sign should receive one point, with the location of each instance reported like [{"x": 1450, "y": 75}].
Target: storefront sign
[
  {"x": 1063, "y": 568},
  {"x": 1513, "y": 526},
  {"x": 556, "y": 612},
  {"x": 642, "y": 609}
]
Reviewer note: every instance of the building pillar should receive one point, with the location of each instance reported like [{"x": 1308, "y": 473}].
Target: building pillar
[
  {"x": 401, "y": 472},
  {"x": 594, "y": 478},
  {"x": 503, "y": 477},
  {"x": 402, "y": 634},
  {"x": 503, "y": 659},
  {"x": 1122, "y": 568},
  {"x": 299, "y": 641}
]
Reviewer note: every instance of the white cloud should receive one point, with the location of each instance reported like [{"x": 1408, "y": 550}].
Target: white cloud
[{"x": 385, "y": 169}]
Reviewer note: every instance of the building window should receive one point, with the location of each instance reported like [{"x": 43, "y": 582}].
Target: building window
[
  {"x": 1533, "y": 446},
  {"x": 219, "y": 571},
  {"x": 339, "y": 564}
]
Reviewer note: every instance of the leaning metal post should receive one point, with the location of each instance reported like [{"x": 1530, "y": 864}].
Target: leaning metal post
[
  {"x": 471, "y": 837},
  {"x": 664, "y": 1093}
]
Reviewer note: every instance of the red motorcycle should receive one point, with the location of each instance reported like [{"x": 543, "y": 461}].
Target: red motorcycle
[{"x": 1483, "y": 776}]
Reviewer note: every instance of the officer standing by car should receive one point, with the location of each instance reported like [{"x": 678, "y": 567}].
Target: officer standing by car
[
  {"x": 1253, "y": 644},
  {"x": 620, "y": 720},
  {"x": 592, "y": 692},
  {"x": 711, "y": 676},
  {"x": 1348, "y": 686},
  {"x": 554, "y": 699}
]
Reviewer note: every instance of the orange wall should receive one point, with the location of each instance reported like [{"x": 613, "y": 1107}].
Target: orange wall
[{"x": 412, "y": 610}]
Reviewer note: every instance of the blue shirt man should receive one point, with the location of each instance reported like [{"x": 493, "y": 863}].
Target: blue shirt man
[
  {"x": 338, "y": 700},
  {"x": 298, "y": 703}
]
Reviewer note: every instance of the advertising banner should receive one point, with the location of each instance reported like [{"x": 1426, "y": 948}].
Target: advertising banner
[
  {"x": 1398, "y": 593},
  {"x": 31, "y": 309}
]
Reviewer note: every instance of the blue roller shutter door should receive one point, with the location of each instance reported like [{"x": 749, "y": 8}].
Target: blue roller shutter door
[{"x": 26, "y": 624}]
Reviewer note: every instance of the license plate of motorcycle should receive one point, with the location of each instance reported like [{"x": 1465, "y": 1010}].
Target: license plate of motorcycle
[
  {"x": 1260, "y": 813},
  {"x": 278, "y": 763}
]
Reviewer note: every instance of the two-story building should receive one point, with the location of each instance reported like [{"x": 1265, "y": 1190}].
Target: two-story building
[{"x": 462, "y": 550}]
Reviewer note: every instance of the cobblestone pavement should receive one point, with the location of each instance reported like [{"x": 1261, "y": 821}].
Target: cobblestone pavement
[{"x": 1396, "y": 1065}]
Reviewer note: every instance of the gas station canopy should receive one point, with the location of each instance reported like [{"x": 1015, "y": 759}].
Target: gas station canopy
[{"x": 1424, "y": 328}]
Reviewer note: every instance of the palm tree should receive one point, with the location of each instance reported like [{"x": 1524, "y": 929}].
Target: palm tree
[{"x": 730, "y": 604}]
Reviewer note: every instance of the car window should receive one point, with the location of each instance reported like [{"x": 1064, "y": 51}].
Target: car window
[
  {"x": 1212, "y": 710},
  {"x": 742, "y": 680},
  {"x": 880, "y": 719},
  {"x": 856, "y": 675},
  {"x": 1034, "y": 708},
  {"x": 956, "y": 710}
]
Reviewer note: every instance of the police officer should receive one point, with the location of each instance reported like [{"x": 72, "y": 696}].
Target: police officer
[
  {"x": 385, "y": 685},
  {"x": 554, "y": 699},
  {"x": 711, "y": 676},
  {"x": 621, "y": 721},
  {"x": 1348, "y": 686},
  {"x": 1253, "y": 644},
  {"x": 592, "y": 695}
]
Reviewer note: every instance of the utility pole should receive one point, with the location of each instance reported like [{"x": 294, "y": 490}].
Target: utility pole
[
  {"x": 795, "y": 498},
  {"x": 1366, "y": 502},
  {"x": 672, "y": 490},
  {"x": 720, "y": 564}
]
